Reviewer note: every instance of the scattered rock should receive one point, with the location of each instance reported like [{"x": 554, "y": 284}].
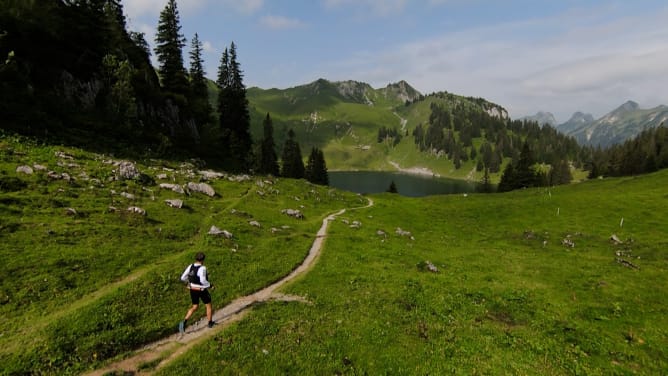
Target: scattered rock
[
  {"x": 626, "y": 263},
  {"x": 25, "y": 169},
  {"x": 127, "y": 195},
  {"x": 211, "y": 175},
  {"x": 137, "y": 210},
  {"x": 399, "y": 231},
  {"x": 63, "y": 155},
  {"x": 381, "y": 233},
  {"x": 427, "y": 266},
  {"x": 175, "y": 203},
  {"x": 568, "y": 242},
  {"x": 71, "y": 211},
  {"x": 293, "y": 213},
  {"x": 615, "y": 239},
  {"x": 356, "y": 224},
  {"x": 161, "y": 176},
  {"x": 239, "y": 178},
  {"x": 254, "y": 224},
  {"x": 216, "y": 231},
  {"x": 127, "y": 170},
  {"x": 202, "y": 188},
  {"x": 173, "y": 187},
  {"x": 39, "y": 167}
]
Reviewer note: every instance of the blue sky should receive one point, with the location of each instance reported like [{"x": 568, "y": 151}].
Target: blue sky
[{"x": 528, "y": 56}]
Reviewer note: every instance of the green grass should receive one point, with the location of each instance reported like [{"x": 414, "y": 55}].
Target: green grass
[
  {"x": 509, "y": 297},
  {"x": 79, "y": 289},
  {"x": 503, "y": 301}
]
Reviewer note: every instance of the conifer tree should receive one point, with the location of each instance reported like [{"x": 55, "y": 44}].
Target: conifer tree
[
  {"x": 316, "y": 168},
  {"x": 292, "y": 162},
  {"x": 508, "y": 179},
  {"x": 525, "y": 175},
  {"x": 233, "y": 110},
  {"x": 392, "y": 188},
  {"x": 169, "y": 50},
  {"x": 198, "y": 85},
  {"x": 267, "y": 159}
]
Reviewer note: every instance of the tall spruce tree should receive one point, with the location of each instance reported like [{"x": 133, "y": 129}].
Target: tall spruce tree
[
  {"x": 199, "y": 91},
  {"x": 292, "y": 162},
  {"x": 233, "y": 111},
  {"x": 316, "y": 168},
  {"x": 267, "y": 158},
  {"x": 508, "y": 179},
  {"x": 525, "y": 175},
  {"x": 169, "y": 51}
]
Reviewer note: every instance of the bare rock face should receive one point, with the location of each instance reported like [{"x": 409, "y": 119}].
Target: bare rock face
[
  {"x": 128, "y": 170},
  {"x": 202, "y": 188}
]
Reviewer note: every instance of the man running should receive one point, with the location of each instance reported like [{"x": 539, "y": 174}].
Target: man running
[{"x": 196, "y": 277}]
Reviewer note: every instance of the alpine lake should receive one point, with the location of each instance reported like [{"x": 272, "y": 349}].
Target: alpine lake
[{"x": 410, "y": 185}]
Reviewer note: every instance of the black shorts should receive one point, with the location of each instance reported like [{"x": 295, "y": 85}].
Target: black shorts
[{"x": 196, "y": 295}]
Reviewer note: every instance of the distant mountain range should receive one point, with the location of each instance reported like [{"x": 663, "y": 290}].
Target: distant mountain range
[{"x": 619, "y": 125}]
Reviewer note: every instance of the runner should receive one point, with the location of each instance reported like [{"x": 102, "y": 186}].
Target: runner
[{"x": 196, "y": 277}]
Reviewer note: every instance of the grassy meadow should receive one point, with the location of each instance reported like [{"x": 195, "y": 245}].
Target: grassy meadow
[
  {"x": 511, "y": 296},
  {"x": 508, "y": 297}
]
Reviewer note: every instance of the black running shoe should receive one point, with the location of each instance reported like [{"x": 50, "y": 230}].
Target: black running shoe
[{"x": 211, "y": 324}]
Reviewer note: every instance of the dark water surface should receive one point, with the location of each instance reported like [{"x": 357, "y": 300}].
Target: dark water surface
[{"x": 407, "y": 184}]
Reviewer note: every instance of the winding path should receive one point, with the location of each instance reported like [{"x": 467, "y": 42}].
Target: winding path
[{"x": 167, "y": 349}]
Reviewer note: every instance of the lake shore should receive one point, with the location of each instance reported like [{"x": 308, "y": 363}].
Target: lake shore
[{"x": 423, "y": 171}]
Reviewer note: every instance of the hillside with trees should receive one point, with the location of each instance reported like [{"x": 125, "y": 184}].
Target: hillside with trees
[{"x": 73, "y": 73}]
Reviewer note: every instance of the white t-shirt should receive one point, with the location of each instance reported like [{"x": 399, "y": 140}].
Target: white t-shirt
[{"x": 201, "y": 273}]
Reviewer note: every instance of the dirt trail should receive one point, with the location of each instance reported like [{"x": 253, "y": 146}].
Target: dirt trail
[{"x": 165, "y": 350}]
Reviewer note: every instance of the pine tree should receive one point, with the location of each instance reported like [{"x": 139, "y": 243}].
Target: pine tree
[
  {"x": 267, "y": 159},
  {"x": 392, "y": 188},
  {"x": 233, "y": 111},
  {"x": 169, "y": 51},
  {"x": 293, "y": 164},
  {"x": 316, "y": 168},
  {"x": 508, "y": 179},
  {"x": 525, "y": 175},
  {"x": 199, "y": 90}
]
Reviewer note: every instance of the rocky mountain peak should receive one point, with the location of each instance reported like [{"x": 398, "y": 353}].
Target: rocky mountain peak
[
  {"x": 628, "y": 106},
  {"x": 402, "y": 91},
  {"x": 580, "y": 118},
  {"x": 542, "y": 118}
]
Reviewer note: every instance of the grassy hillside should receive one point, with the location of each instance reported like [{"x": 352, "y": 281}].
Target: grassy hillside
[
  {"x": 510, "y": 296},
  {"x": 84, "y": 279},
  {"x": 343, "y": 119}
]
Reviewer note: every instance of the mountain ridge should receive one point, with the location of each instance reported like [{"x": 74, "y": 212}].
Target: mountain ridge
[{"x": 621, "y": 124}]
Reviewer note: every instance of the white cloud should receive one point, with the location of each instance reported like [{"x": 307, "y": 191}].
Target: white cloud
[
  {"x": 245, "y": 6},
  {"x": 280, "y": 22},
  {"x": 140, "y": 8},
  {"x": 208, "y": 47},
  {"x": 560, "y": 64},
  {"x": 377, "y": 7}
]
